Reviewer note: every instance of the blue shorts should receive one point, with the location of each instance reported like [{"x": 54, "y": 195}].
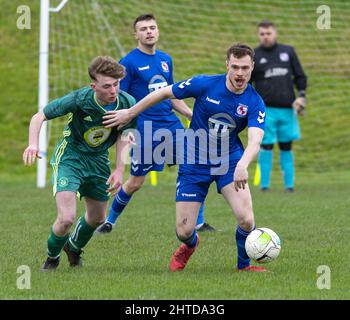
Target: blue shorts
[
  {"x": 146, "y": 159},
  {"x": 281, "y": 125},
  {"x": 193, "y": 181}
]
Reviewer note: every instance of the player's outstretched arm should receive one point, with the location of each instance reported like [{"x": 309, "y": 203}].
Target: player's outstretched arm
[
  {"x": 240, "y": 177},
  {"x": 121, "y": 118},
  {"x": 32, "y": 151},
  {"x": 182, "y": 108}
]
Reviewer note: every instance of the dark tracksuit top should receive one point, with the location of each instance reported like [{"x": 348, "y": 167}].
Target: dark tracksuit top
[{"x": 276, "y": 71}]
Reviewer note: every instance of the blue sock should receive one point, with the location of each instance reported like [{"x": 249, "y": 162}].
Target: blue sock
[
  {"x": 200, "y": 219},
  {"x": 265, "y": 163},
  {"x": 243, "y": 259},
  {"x": 119, "y": 203},
  {"x": 287, "y": 166},
  {"x": 191, "y": 241}
]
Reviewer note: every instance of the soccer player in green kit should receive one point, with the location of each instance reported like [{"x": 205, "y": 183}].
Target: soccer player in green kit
[{"x": 80, "y": 161}]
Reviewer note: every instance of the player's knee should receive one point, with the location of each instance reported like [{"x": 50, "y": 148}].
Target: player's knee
[
  {"x": 133, "y": 187},
  {"x": 246, "y": 223},
  {"x": 183, "y": 233},
  {"x": 267, "y": 146},
  {"x": 65, "y": 222},
  {"x": 285, "y": 146}
]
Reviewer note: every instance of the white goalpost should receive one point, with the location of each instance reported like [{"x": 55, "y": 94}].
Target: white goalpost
[
  {"x": 69, "y": 39},
  {"x": 44, "y": 84}
]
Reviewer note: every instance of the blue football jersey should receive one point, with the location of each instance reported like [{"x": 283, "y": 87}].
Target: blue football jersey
[
  {"x": 221, "y": 113},
  {"x": 146, "y": 73}
]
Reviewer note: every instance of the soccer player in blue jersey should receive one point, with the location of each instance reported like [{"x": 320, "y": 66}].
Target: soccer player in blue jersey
[
  {"x": 224, "y": 106},
  {"x": 148, "y": 70}
]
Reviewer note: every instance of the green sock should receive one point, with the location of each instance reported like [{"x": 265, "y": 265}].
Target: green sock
[
  {"x": 55, "y": 244},
  {"x": 81, "y": 235}
]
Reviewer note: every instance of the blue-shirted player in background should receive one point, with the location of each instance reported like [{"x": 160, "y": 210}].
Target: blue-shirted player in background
[
  {"x": 225, "y": 105},
  {"x": 148, "y": 70}
]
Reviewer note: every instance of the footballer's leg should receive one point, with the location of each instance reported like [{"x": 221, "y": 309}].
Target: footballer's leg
[
  {"x": 177, "y": 158},
  {"x": 191, "y": 191},
  {"x": 287, "y": 165},
  {"x": 66, "y": 211},
  {"x": 84, "y": 229},
  {"x": 186, "y": 217},
  {"x": 265, "y": 158},
  {"x": 288, "y": 131},
  {"x": 241, "y": 205}
]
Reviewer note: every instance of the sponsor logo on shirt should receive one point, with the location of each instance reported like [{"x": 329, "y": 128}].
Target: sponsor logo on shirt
[
  {"x": 212, "y": 100},
  {"x": 143, "y": 68},
  {"x": 220, "y": 124},
  {"x": 97, "y": 135},
  {"x": 275, "y": 72},
  {"x": 157, "y": 82}
]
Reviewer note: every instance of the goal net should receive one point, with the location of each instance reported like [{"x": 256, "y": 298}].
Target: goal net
[{"x": 196, "y": 33}]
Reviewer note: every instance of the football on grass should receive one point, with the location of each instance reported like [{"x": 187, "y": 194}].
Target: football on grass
[{"x": 263, "y": 245}]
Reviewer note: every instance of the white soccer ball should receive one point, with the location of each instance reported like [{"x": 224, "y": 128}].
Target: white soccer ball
[{"x": 263, "y": 245}]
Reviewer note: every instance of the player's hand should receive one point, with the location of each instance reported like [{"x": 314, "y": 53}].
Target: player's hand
[
  {"x": 30, "y": 154},
  {"x": 299, "y": 105},
  {"x": 115, "y": 182},
  {"x": 240, "y": 177},
  {"x": 117, "y": 119}
]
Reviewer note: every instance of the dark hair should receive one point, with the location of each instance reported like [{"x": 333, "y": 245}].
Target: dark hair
[
  {"x": 266, "y": 24},
  {"x": 240, "y": 50},
  {"x": 106, "y": 66},
  {"x": 144, "y": 17}
]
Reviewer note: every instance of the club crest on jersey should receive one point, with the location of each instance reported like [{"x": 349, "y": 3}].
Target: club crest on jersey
[
  {"x": 284, "y": 56},
  {"x": 63, "y": 182},
  {"x": 165, "y": 66},
  {"x": 242, "y": 110}
]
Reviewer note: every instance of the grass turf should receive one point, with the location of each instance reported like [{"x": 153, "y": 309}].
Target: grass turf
[{"x": 132, "y": 262}]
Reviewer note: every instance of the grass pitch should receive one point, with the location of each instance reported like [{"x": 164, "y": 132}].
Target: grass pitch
[{"x": 132, "y": 262}]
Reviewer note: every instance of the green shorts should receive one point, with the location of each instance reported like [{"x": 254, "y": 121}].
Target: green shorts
[{"x": 79, "y": 172}]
